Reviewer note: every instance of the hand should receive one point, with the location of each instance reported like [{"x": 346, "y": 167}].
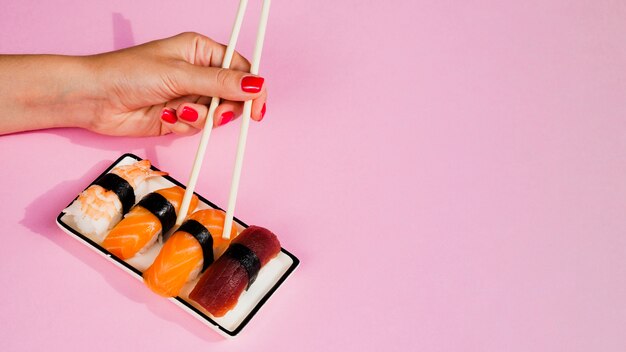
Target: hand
[
  {"x": 165, "y": 86},
  {"x": 152, "y": 89}
]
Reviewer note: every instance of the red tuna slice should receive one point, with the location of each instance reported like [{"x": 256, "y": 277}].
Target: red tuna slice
[{"x": 220, "y": 286}]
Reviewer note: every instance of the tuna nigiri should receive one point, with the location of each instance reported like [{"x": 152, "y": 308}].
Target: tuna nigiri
[
  {"x": 221, "y": 285},
  {"x": 140, "y": 228},
  {"x": 187, "y": 252},
  {"x": 98, "y": 208}
]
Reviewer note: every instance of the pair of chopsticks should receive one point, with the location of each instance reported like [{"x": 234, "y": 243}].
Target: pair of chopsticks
[{"x": 245, "y": 121}]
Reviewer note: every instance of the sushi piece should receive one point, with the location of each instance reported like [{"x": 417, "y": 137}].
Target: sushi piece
[
  {"x": 189, "y": 251},
  {"x": 102, "y": 205},
  {"x": 221, "y": 285},
  {"x": 140, "y": 228}
]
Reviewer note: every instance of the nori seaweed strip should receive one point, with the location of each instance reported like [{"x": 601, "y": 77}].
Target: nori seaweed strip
[
  {"x": 247, "y": 258},
  {"x": 203, "y": 236},
  {"x": 119, "y": 186},
  {"x": 161, "y": 208}
]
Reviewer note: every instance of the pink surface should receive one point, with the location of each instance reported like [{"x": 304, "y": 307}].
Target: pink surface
[{"x": 451, "y": 174}]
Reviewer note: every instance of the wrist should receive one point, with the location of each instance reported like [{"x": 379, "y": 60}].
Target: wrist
[
  {"x": 48, "y": 91},
  {"x": 74, "y": 96}
]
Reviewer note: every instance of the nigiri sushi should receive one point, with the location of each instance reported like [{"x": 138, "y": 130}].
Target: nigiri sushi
[
  {"x": 221, "y": 285},
  {"x": 102, "y": 205},
  {"x": 190, "y": 250},
  {"x": 140, "y": 228}
]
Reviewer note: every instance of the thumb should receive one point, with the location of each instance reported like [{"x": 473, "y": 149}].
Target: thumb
[{"x": 217, "y": 82}]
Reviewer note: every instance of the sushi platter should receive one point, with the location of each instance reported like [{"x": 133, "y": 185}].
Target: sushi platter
[{"x": 128, "y": 216}]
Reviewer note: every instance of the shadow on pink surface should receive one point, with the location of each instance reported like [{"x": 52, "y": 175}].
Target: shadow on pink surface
[
  {"x": 142, "y": 146},
  {"x": 40, "y": 218},
  {"x": 122, "y": 32}
]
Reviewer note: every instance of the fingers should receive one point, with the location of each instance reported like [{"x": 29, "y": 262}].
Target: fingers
[
  {"x": 259, "y": 107},
  {"x": 190, "y": 79},
  {"x": 199, "y": 72},
  {"x": 204, "y": 51},
  {"x": 187, "y": 118},
  {"x": 217, "y": 52},
  {"x": 196, "y": 69},
  {"x": 198, "y": 75},
  {"x": 226, "y": 112},
  {"x": 229, "y": 110},
  {"x": 238, "y": 62}
]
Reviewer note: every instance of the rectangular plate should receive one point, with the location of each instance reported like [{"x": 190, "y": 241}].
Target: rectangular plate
[{"x": 270, "y": 277}]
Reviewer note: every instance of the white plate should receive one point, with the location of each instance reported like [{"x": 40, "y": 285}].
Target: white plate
[{"x": 270, "y": 277}]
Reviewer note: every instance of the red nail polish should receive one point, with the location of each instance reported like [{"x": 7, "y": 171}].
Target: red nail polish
[
  {"x": 252, "y": 84},
  {"x": 263, "y": 111},
  {"x": 168, "y": 116},
  {"x": 189, "y": 114},
  {"x": 226, "y": 117}
]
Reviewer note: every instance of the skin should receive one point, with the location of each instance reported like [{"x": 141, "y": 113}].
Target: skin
[{"x": 124, "y": 93}]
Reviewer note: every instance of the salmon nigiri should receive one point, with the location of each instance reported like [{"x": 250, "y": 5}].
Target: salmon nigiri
[
  {"x": 154, "y": 214},
  {"x": 188, "y": 252}
]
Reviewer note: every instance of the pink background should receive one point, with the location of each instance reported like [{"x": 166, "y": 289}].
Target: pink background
[{"x": 452, "y": 175}]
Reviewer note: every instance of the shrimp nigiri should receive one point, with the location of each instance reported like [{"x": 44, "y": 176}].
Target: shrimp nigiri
[
  {"x": 187, "y": 252},
  {"x": 102, "y": 205},
  {"x": 154, "y": 214}
]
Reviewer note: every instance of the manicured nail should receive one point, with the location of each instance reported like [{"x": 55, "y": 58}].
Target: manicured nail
[
  {"x": 189, "y": 114},
  {"x": 252, "y": 84},
  {"x": 168, "y": 116},
  {"x": 263, "y": 111},
  {"x": 226, "y": 117}
]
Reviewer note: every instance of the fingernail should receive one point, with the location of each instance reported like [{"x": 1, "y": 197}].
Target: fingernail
[
  {"x": 252, "y": 84},
  {"x": 226, "y": 117},
  {"x": 263, "y": 111},
  {"x": 168, "y": 116},
  {"x": 189, "y": 114}
]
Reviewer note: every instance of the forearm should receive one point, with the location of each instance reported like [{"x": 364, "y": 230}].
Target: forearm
[{"x": 47, "y": 91}]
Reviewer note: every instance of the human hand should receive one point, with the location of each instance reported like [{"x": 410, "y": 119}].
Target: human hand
[
  {"x": 165, "y": 86},
  {"x": 152, "y": 89}
]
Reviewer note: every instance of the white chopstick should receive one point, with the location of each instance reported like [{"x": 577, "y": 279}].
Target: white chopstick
[
  {"x": 245, "y": 123},
  {"x": 208, "y": 124}
]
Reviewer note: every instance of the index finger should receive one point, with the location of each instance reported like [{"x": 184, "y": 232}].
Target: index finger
[
  {"x": 238, "y": 62},
  {"x": 201, "y": 50}
]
